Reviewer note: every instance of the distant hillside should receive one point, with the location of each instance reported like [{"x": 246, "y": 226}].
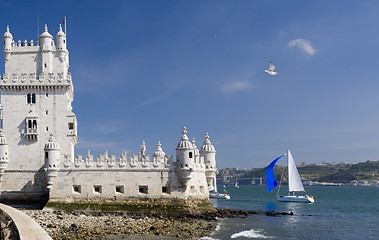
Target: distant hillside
[{"x": 334, "y": 173}]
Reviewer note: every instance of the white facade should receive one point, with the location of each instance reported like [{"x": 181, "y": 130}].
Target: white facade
[{"x": 39, "y": 133}]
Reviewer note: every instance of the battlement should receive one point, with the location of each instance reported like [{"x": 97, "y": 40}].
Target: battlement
[
  {"x": 42, "y": 79},
  {"x": 23, "y": 44},
  {"x": 109, "y": 161}
]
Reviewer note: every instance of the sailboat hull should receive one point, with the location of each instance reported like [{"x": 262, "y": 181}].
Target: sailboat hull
[
  {"x": 219, "y": 195},
  {"x": 304, "y": 199}
]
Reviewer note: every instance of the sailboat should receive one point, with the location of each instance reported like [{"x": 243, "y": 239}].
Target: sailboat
[
  {"x": 294, "y": 182},
  {"x": 213, "y": 191},
  {"x": 237, "y": 185}
]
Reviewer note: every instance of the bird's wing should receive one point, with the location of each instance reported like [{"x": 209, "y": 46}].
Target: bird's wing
[{"x": 272, "y": 67}]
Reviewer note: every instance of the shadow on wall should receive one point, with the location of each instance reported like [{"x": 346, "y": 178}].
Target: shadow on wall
[{"x": 33, "y": 195}]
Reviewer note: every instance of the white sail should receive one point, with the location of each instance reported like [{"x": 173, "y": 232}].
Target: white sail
[
  {"x": 215, "y": 184},
  {"x": 294, "y": 181}
]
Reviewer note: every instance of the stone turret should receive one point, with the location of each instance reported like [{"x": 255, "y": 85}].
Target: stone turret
[
  {"x": 62, "y": 49},
  {"x": 3, "y": 154},
  {"x": 208, "y": 152},
  {"x": 185, "y": 158},
  {"x": 61, "y": 40},
  {"x": 159, "y": 155},
  {"x": 46, "y": 43},
  {"x": 52, "y": 159},
  {"x": 8, "y": 38}
]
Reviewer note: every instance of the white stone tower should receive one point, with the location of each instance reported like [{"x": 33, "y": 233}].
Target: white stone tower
[
  {"x": 208, "y": 152},
  {"x": 36, "y": 96}
]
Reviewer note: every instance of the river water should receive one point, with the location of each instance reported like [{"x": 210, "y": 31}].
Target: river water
[{"x": 339, "y": 212}]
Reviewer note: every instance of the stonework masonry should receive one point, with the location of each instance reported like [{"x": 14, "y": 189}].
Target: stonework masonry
[{"x": 38, "y": 135}]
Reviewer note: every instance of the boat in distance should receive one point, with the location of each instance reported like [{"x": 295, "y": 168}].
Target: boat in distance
[{"x": 219, "y": 195}]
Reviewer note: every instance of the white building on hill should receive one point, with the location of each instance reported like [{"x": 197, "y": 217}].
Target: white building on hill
[{"x": 39, "y": 132}]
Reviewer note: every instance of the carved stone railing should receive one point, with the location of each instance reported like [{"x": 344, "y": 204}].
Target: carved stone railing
[
  {"x": 36, "y": 79},
  {"x": 108, "y": 161}
]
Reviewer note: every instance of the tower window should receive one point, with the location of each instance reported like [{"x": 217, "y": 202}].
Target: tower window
[
  {"x": 190, "y": 154},
  {"x": 33, "y": 98},
  {"x": 70, "y": 126},
  {"x": 120, "y": 189},
  {"x": 166, "y": 189},
  {"x": 47, "y": 94},
  {"x": 143, "y": 189},
  {"x": 77, "y": 188},
  {"x": 45, "y": 65},
  {"x": 64, "y": 41},
  {"x": 29, "y": 98},
  {"x": 97, "y": 188}
]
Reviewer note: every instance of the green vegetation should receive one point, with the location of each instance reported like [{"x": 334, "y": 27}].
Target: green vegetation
[
  {"x": 334, "y": 173},
  {"x": 133, "y": 206}
]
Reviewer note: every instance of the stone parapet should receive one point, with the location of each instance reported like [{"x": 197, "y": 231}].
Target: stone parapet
[
  {"x": 109, "y": 161},
  {"x": 42, "y": 79}
]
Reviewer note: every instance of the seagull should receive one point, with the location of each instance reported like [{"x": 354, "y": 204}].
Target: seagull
[{"x": 271, "y": 70}]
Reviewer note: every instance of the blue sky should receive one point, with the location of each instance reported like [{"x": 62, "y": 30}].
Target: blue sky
[{"x": 144, "y": 69}]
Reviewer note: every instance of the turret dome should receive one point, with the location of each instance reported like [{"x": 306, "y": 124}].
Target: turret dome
[
  {"x": 2, "y": 137},
  {"x": 60, "y": 33},
  {"x": 52, "y": 144},
  {"x": 207, "y": 146},
  {"x": 8, "y": 33},
  {"x": 46, "y": 33},
  {"x": 159, "y": 152},
  {"x": 184, "y": 143}
]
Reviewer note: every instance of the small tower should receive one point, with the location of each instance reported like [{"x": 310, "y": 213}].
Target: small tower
[
  {"x": 52, "y": 154},
  {"x": 208, "y": 152},
  {"x": 185, "y": 158},
  {"x": 61, "y": 40},
  {"x": 62, "y": 50},
  {"x": 185, "y": 152},
  {"x": 46, "y": 43},
  {"x": 7, "y": 47},
  {"x": 159, "y": 155},
  {"x": 3, "y": 154}
]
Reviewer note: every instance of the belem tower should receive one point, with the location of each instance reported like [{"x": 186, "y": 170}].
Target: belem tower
[{"x": 39, "y": 132}]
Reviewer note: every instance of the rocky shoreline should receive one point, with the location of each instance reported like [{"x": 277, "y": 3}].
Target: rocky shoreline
[{"x": 60, "y": 224}]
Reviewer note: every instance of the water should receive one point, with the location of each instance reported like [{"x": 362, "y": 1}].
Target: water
[{"x": 339, "y": 212}]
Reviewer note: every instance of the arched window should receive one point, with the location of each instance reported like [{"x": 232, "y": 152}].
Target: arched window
[
  {"x": 33, "y": 98},
  {"x": 29, "y": 98},
  {"x": 190, "y": 154}
]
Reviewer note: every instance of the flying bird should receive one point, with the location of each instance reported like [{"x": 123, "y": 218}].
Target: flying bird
[{"x": 271, "y": 70}]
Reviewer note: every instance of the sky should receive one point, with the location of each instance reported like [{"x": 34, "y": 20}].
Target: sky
[{"x": 142, "y": 70}]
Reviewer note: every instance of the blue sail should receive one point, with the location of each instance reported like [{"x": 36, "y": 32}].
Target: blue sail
[{"x": 270, "y": 178}]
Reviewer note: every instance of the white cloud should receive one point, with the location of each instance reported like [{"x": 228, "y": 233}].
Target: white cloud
[
  {"x": 237, "y": 86},
  {"x": 303, "y": 45}
]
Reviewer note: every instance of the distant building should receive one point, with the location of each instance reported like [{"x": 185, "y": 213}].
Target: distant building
[{"x": 257, "y": 181}]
